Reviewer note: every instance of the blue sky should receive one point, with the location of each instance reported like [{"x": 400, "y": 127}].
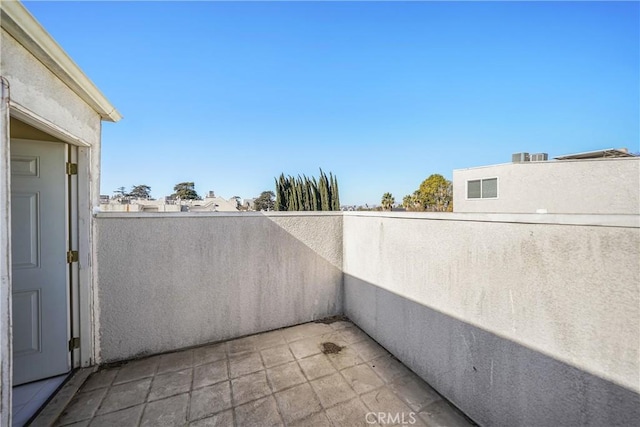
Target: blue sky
[{"x": 382, "y": 94}]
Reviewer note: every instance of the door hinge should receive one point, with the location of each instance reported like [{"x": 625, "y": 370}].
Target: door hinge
[
  {"x": 72, "y": 168},
  {"x": 74, "y": 343},
  {"x": 72, "y": 256}
]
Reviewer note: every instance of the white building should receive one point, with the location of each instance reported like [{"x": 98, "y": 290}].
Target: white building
[
  {"x": 208, "y": 204},
  {"x": 50, "y": 123},
  {"x": 597, "y": 182}
]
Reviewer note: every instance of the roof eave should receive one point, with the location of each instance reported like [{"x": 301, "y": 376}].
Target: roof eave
[
  {"x": 596, "y": 154},
  {"x": 21, "y": 25}
]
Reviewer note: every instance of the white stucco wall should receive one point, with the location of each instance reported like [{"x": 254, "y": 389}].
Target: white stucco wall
[
  {"x": 598, "y": 186},
  {"x": 36, "y": 89},
  {"x": 6, "y": 363},
  {"x": 514, "y": 320},
  {"x": 168, "y": 281},
  {"x": 45, "y": 90}
]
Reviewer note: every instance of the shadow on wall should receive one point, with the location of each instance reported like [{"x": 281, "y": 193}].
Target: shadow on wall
[
  {"x": 169, "y": 283},
  {"x": 493, "y": 380}
]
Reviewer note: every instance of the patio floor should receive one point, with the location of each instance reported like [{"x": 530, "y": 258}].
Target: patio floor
[{"x": 283, "y": 377}]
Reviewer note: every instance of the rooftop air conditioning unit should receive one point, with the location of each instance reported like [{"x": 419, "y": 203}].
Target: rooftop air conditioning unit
[
  {"x": 520, "y": 157},
  {"x": 539, "y": 157}
]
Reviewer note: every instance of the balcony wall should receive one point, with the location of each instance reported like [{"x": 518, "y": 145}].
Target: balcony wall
[
  {"x": 516, "y": 319},
  {"x": 168, "y": 281}
]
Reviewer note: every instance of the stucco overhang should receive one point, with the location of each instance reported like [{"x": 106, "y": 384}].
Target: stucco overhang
[{"x": 22, "y": 26}]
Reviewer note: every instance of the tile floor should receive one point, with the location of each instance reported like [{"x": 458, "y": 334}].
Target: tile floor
[
  {"x": 275, "y": 378},
  {"x": 28, "y": 398}
]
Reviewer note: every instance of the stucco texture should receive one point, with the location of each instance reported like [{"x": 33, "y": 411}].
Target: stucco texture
[
  {"x": 37, "y": 89},
  {"x": 597, "y": 186},
  {"x": 166, "y": 283},
  {"x": 542, "y": 318}
]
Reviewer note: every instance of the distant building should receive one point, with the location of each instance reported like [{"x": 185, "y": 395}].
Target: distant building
[
  {"x": 595, "y": 182},
  {"x": 249, "y": 204},
  {"x": 170, "y": 204}
]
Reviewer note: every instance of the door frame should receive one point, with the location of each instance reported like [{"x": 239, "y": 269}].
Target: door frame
[
  {"x": 80, "y": 231},
  {"x": 6, "y": 341}
]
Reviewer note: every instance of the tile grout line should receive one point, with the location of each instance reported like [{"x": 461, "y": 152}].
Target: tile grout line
[
  {"x": 145, "y": 401},
  {"x": 396, "y": 375},
  {"x": 322, "y": 409},
  {"x": 227, "y": 359},
  {"x": 358, "y": 397},
  {"x": 271, "y": 387},
  {"x": 190, "y": 392}
]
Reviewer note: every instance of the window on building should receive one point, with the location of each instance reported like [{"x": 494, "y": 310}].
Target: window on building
[{"x": 482, "y": 188}]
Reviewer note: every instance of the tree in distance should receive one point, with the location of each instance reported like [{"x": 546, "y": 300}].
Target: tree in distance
[
  {"x": 435, "y": 194},
  {"x": 304, "y": 194},
  {"x": 120, "y": 193},
  {"x": 185, "y": 191},
  {"x": 407, "y": 202},
  {"x": 140, "y": 191},
  {"x": 265, "y": 201},
  {"x": 387, "y": 201}
]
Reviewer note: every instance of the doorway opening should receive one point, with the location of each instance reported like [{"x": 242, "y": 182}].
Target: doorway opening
[{"x": 45, "y": 279}]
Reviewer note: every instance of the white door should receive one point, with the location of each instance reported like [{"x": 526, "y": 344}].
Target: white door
[{"x": 40, "y": 270}]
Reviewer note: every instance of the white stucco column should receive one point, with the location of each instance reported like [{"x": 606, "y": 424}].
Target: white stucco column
[{"x": 5, "y": 259}]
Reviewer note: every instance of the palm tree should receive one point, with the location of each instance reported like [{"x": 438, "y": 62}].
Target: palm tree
[
  {"x": 407, "y": 202},
  {"x": 387, "y": 201}
]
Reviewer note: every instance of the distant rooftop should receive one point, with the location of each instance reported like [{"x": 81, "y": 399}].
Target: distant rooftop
[{"x": 609, "y": 152}]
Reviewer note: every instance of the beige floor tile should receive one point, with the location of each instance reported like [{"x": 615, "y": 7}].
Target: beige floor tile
[
  {"x": 297, "y": 403},
  {"x": 125, "y": 417},
  {"x": 100, "y": 379},
  {"x": 170, "y": 384},
  {"x": 259, "y": 413},
  {"x": 125, "y": 395},
  {"x": 82, "y": 406},
  {"x": 318, "y": 419},
  {"x": 266, "y": 379},
  {"x": 285, "y": 376},
  {"x": 316, "y": 366},
  {"x": 362, "y": 379},
  {"x": 443, "y": 414},
  {"x": 352, "y": 334},
  {"x": 276, "y": 356},
  {"x": 346, "y": 358},
  {"x": 241, "y": 346},
  {"x": 332, "y": 337},
  {"x": 305, "y": 348},
  {"x": 268, "y": 340},
  {"x": 166, "y": 413},
  {"x": 305, "y": 330},
  {"x": 210, "y": 400},
  {"x": 340, "y": 325},
  {"x": 84, "y": 423},
  {"x": 137, "y": 369},
  {"x": 352, "y": 413},
  {"x": 388, "y": 368},
  {"x": 209, "y": 374},
  {"x": 210, "y": 353},
  {"x": 414, "y": 392},
  {"x": 175, "y": 361},
  {"x": 250, "y": 387},
  {"x": 247, "y": 363},
  {"x": 221, "y": 419},
  {"x": 383, "y": 400},
  {"x": 368, "y": 349},
  {"x": 332, "y": 390}
]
